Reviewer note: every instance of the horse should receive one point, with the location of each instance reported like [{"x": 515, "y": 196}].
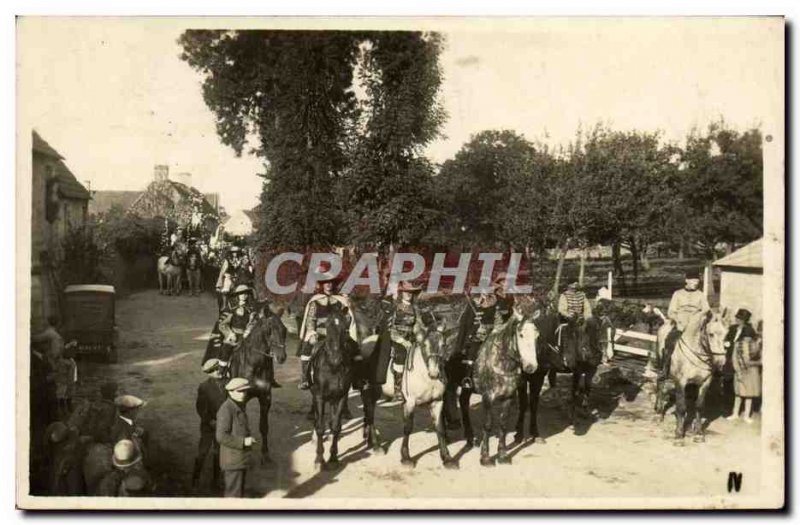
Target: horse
[
  {"x": 502, "y": 358},
  {"x": 170, "y": 269},
  {"x": 423, "y": 383},
  {"x": 253, "y": 360},
  {"x": 698, "y": 353},
  {"x": 332, "y": 374}
]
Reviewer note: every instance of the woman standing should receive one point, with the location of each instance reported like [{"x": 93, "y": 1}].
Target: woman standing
[{"x": 746, "y": 357}]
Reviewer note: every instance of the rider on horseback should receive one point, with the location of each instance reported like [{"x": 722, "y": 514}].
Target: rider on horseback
[
  {"x": 227, "y": 273},
  {"x": 312, "y": 330},
  {"x": 573, "y": 305},
  {"x": 490, "y": 311},
  {"x": 685, "y": 303},
  {"x": 403, "y": 316}
]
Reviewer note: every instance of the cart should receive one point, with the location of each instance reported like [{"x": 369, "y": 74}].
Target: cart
[{"x": 89, "y": 319}]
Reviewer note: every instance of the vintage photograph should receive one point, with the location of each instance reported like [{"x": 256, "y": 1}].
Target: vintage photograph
[{"x": 445, "y": 263}]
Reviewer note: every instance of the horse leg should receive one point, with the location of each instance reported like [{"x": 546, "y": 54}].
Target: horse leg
[
  {"x": 466, "y": 420},
  {"x": 312, "y": 411},
  {"x": 680, "y": 414},
  {"x": 536, "y": 383},
  {"x": 486, "y": 460},
  {"x": 264, "y": 404},
  {"x": 573, "y": 397},
  {"x": 408, "y": 427},
  {"x": 319, "y": 403},
  {"x": 437, "y": 415},
  {"x": 502, "y": 451},
  {"x": 451, "y": 407},
  {"x": 336, "y": 428},
  {"x": 588, "y": 377},
  {"x": 699, "y": 405},
  {"x": 522, "y": 396},
  {"x": 160, "y": 281}
]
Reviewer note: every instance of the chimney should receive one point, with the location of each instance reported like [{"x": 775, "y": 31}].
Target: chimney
[
  {"x": 184, "y": 178},
  {"x": 88, "y": 185},
  {"x": 161, "y": 172}
]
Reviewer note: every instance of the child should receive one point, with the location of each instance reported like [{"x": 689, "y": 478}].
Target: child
[{"x": 66, "y": 377}]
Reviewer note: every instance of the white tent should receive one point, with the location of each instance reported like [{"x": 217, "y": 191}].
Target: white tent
[{"x": 239, "y": 224}]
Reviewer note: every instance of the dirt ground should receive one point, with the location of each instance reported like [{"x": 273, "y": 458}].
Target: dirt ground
[{"x": 622, "y": 451}]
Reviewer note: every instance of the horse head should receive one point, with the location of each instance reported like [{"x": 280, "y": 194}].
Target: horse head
[
  {"x": 276, "y": 338},
  {"x": 527, "y": 336},
  {"x": 336, "y": 329},
  {"x": 266, "y": 340},
  {"x": 713, "y": 330},
  {"x": 433, "y": 350}
]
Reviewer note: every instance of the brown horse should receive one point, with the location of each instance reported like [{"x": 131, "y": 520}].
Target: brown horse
[
  {"x": 698, "y": 353},
  {"x": 254, "y": 358},
  {"x": 502, "y": 359}
]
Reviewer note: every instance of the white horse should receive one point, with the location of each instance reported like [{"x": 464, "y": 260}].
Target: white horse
[{"x": 170, "y": 271}]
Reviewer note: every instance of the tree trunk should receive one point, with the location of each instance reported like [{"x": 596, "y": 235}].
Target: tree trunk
[
  {"x": 635, "y": 260},
  {"x": 681, "y": 251},
  {"x": 618, "y": 269},
  {"x": 582, "y": 270},
  {"x": 561, "y": 256}
]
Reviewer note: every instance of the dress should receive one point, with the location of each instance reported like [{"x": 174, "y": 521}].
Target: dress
[{"x": 746, "y": 364}]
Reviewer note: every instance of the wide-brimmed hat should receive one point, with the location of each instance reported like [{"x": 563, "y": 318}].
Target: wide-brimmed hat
[
  {"x": 126, "y": 454},
  {"x": 241, "y": 289},
  {"x": 692, "y": 273},
  {"x": 743, "y": 314},
  {"x": 410, "y": 287},
  {"x": 235, "y": 249},
  {"x": 238, "y": 384}
]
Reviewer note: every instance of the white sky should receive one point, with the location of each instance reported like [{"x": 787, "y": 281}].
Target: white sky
[{"x": 113, "y": 97}]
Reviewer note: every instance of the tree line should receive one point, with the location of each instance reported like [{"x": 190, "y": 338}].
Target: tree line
[{"x": 342, "y": 119}]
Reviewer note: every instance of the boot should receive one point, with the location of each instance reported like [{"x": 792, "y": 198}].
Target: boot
[
  {"x": 305, "y": 383},
  {"x": 398, "y": 379}
]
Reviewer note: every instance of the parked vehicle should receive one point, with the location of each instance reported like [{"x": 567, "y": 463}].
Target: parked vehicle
[{"x": 89, "y": 319}]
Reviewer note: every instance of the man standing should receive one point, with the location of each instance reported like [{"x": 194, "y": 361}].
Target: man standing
[
  {"x": 233, "y": 436},
  {"x": 194, "y": 267},
  {"x": 125, "y": 426},
  {"x": 210, "y": 396},
  {"x": 685, "y": 303}
]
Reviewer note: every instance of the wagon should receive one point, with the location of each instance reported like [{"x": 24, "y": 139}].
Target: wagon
[{"x": 89, "y": 319}]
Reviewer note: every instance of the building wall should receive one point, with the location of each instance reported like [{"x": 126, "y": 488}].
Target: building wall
[{"x": 742, "y": 290}]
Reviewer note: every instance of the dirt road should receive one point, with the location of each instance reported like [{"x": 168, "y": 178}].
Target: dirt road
[{"x": 622, "y": 452}]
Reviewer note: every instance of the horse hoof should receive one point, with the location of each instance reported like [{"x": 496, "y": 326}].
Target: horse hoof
[
  {"x": 699, "y": 439},
  {"x": 540, "y": 440},
  {"x": 487, "y": 462},
  {"x": 378, "y": 451},
  {"x": 504, "y": 460},
  {"x": 407, "y": 462},
  {"x": 332, "y": 464},
  {"x": 450, "y": 464},
  {"x": 679, "y": 443},
  {"x": 319, "y": 463}
]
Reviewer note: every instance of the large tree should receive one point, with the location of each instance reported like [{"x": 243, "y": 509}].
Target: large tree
[{"x": 339, "y": 116}]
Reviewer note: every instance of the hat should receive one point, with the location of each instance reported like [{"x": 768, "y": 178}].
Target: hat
[
  {"x": 743, "y": 314},
  {"x": 210, "y": 365},
  {"x": 129, "y": 401},
  {"x": 235, "y": 249},
  {"x": 134, "y": 483},
  {"x": 58, "y": 432},
  {"x": 237, "y": 384},
  {"x": 501, "y": 278},
  {"x": 406, "y": 286},
  {"x": 240, "y": 289},
  {"x": 126, "y": 454},
  {"x": 573, "y": 284},
  {"x": 694, "y": 273},
  {"x": 109, "y": 389}
]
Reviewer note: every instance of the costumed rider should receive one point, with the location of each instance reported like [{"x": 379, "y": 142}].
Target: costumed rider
[
  {"x": 573, "y": 305},
  {"x": 484, "y": 314},
  {"x": 227, "y": 274},
  {"x": 236, "y": 321},
  {"x": 312, "y": 330},
  {"x": 404, "y": 328},
  {"x": 685, "y": 303}
]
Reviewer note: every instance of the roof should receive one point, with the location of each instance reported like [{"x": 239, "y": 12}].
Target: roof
[
  {"x": 749, "y": 256},
  {"x": 103, "y": 201},
  {"x": 239, "y": 223},
  {"x": 41, "y": 146},
  {"x": 68, "y": 185},
  {"x": 157, "y": 199}
]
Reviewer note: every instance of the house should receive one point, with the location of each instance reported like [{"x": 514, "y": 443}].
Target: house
[
  {"x": 176, "y": 201},
  {"x": 59, "y": 204},
  {"x": 103, "y": 201},
  {"x": 741, "y": 281}
]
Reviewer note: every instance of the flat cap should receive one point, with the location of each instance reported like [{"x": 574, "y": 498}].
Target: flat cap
[
  {"x": 129, "y": 401},
  {"x": 210, "y": 365},
  {"x": 237, "y": 384}
]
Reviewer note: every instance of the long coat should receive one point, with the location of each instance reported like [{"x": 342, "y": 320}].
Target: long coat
[
  {"x": 210, "y": 396},
  {"x": 232, "y": 428}
]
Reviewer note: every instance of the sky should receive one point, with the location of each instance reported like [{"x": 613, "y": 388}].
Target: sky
[{"x": 113, "y": 97}]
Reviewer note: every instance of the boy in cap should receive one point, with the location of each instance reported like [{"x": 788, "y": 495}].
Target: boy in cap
[
  {"x": 234, "y": 438},
  {"x": 685, "y": 303},
  {"x": 210, "y": 395},
  {"x": 125, "y": 426}
]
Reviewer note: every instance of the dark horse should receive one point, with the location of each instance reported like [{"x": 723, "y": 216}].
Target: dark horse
[
  {"x": 571, "y": 347},
  {"x": 332, "y": 367},
  {"x": 253, "y": 360},
  {"x": 503, "y": 357}
]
